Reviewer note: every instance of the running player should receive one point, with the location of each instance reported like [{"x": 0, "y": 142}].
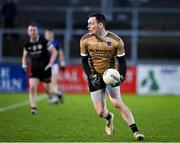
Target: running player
[
  {"x": 100, "y": 49},
  {"x": 60, "y": 62},
  {"x": 40, "y": 57}
]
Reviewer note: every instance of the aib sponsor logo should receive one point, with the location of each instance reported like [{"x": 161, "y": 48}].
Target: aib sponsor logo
[{"x": 169, "y": 70}]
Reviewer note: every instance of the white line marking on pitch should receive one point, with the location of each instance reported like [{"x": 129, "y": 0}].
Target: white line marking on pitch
[{"x": 39, "y": 98}]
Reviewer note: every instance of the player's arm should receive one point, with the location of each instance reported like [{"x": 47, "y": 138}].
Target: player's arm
[
  {"x": 92, "y": 78},
  {"x": 86, "y": 66},
  {"x": 121, "y": 60},
  {"x": 53, "y": 57},
  {"x": 61, "y": 58},
  {"x": 24, "y": 60},
  {"x": 122, "y": 67},
  {"x": 84, "y": 56}
]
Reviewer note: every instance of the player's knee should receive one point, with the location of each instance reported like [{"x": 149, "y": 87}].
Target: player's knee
[
  {"x": 118, "y": 105},
  {"x": 32, "y": 89}
]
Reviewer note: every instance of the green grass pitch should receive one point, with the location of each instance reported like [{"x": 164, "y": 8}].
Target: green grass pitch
[{"x": 158, "y": 117}]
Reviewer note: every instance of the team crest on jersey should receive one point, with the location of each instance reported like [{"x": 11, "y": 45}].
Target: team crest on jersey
[
  {"x": 109, "y": 43},
  {"x": 40, "y": 46}
]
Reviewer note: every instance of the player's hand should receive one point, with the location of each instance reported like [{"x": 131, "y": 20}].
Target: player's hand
[
  {"x": 95, "y": 80},
  {"x": 47, "y": 67},
  {"x": 24, "y": 68},
  {"x": 121, "y": 80}
]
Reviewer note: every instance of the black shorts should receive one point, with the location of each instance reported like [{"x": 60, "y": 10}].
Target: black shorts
[
  {"x": 93, "y": 88},
  {"x": 101, "y": 86},
  {"x": 42, "y": 74}
]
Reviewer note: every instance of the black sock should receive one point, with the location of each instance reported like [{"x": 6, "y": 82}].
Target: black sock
[
  {"x": 34, "y": 108},
  {"x": 108, "y": 116},
  {"x": 134, "y": 128}
]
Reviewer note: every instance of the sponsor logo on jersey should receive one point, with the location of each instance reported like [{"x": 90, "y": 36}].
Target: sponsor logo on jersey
[{"x": 34, "y": 48}]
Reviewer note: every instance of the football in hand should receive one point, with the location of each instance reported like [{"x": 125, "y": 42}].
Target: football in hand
[{"x": 111, "y": 76}]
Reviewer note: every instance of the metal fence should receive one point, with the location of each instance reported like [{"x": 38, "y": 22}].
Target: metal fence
[{"x": 150, "y": 34}]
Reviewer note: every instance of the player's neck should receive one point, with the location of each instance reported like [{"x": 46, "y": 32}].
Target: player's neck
[
  {"x": 34, "y": 39},
  {"x": 102, "y": 34},
  {"x": 51, "y": 39}
]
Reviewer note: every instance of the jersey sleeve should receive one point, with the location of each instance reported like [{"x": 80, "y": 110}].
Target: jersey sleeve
[
  {"x": 83, "y": 48},
  {"x": 25, "y": 47},
  {"x": 25, "y": 51},
  {"x": 48, "y": 44},
  {"x": 58, "y": 44},
  {"x": 120, "y": 48}
]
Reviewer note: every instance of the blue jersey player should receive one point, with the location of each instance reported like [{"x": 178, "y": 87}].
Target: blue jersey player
[{"x": 60, "y": 62}]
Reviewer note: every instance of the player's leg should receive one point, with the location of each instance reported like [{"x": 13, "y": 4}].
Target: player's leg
[
  {"x": 53, "y": 99},
  {"x": 33, "y": 84},
  {"x": 98, "y": 99},
  {"x": 54, "y": 83},
  {"x": 46, "y": 78},
  {"x": 115, "y": 98}
]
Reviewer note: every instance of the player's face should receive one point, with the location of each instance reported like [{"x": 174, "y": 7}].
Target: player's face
[
  {"x": 93, "y": 26},
  {"x": 32, "y": 32},
  {"x": 48, "y": 35}
]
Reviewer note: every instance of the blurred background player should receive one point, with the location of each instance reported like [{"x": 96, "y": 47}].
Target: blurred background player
[
  {"x": 41, "y": 56},
  {"x": 59, "y": 63},
  {"x": 99, "y": 48}
]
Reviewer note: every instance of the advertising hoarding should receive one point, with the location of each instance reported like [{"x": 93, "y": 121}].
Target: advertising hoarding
[{"x": 158, "y": 79}]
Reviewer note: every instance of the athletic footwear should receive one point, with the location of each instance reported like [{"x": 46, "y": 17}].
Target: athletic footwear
[
  {"x": 138, "y": 136},
  {"x": 33, "y": 111},
  {"x": 53, "y": 99},
  {"x": 60, "y": 95},
  {"x": 109, "y": 125}
]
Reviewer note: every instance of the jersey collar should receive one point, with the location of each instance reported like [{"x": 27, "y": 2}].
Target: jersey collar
[
  {"x": 34, "y": 41},
  {"x": 103, "y": 35}
]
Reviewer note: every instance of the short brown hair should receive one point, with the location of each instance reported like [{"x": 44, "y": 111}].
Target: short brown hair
[
  {"x": 33, "y": 24},
  {"x": 99, "y": 17}
]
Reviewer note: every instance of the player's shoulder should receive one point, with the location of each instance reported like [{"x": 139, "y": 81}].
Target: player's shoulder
[
  {"x": 42, "y": 39},
  {"x": 86, "y": 36},
  {"x": 27, "y": 42},
  {"x": 56, "y": 42},
  {"x": 114, "y": 36}
]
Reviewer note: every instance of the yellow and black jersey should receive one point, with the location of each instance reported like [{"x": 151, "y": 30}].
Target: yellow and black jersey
[{"x": 101, "y": 51}]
